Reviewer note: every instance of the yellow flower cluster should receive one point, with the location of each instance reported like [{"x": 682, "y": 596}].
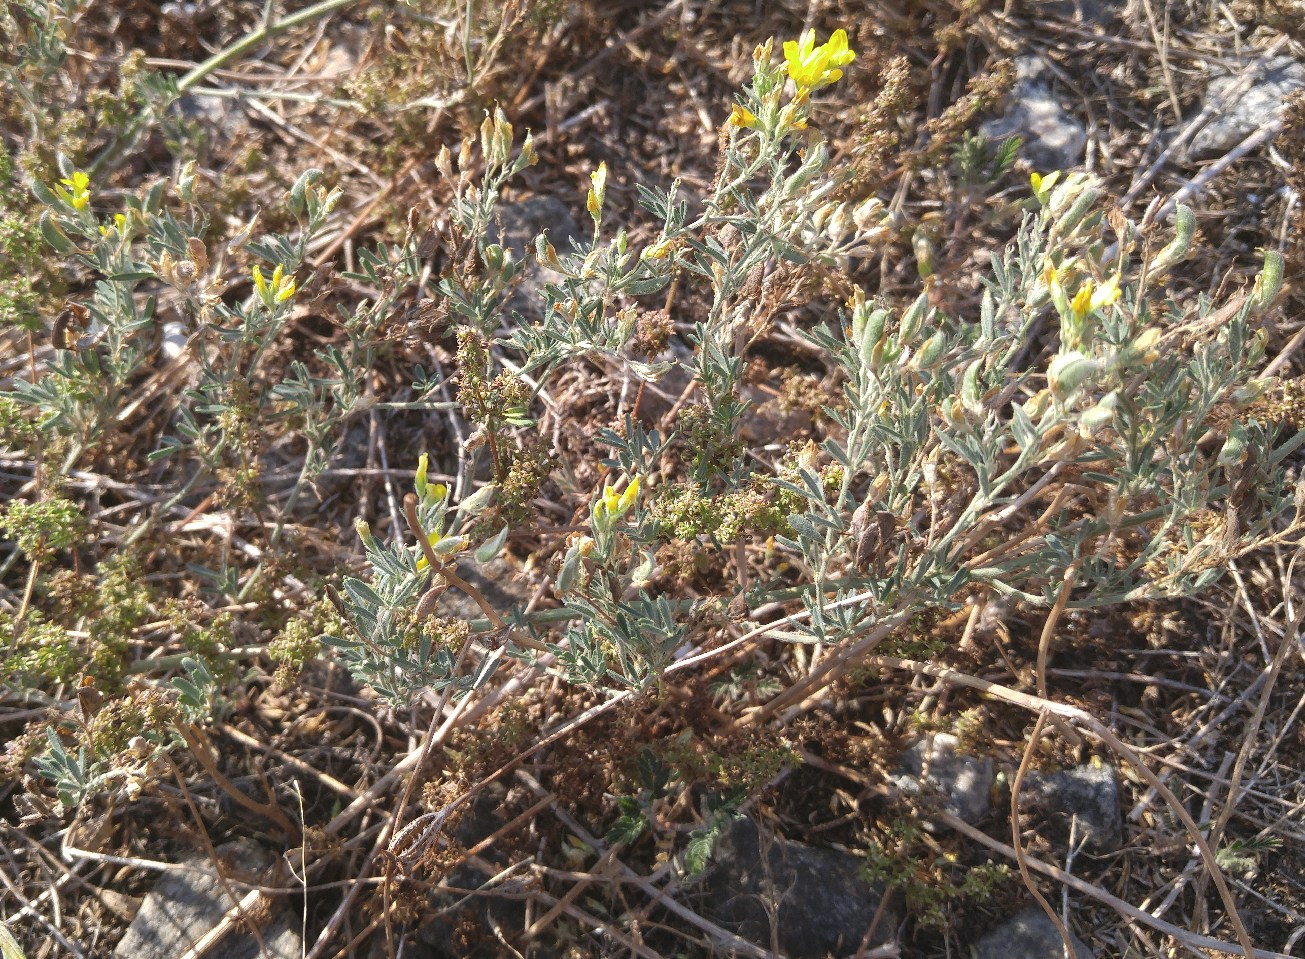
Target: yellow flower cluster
[
  {"x": 1090, "y": 297},
  {"x": 280, "y": 289},
  {"x": 812, "y": 67},
  {"x": 614, "y": 505},
  {"x": 76, "y": 190}
]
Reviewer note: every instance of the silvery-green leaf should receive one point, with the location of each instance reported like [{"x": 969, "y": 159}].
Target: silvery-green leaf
[
  {"x": 491, "y": 548},
  {"x": 478, "y": 501}
]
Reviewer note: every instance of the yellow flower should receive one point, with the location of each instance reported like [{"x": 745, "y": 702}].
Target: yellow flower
[
  {"x": 598, "y": 178},
  {"x": 428, "y": 491},
  {"x": 617, "y": 504},
  {"x": 1106, "y": 294},
  {"x": 812, "y": 67},
  {"x": 78, "y": 190},
  {"x": 743, "y": 117},
  {"x": 1042, "y": 185},
  {"x": 613, "y": 505},
  {"x": 660, "y": 249},
  {"x": 119, "y": 224},
  {"x": 1091, "y": 297},
  {"x": 278, "y": 291},
  {"x": 434, "y": 540},
  {"x": 1081, "y": 305}
]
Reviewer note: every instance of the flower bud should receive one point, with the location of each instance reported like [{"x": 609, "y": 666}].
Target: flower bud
[
  {"x": 1234, "y": 448},
  {"x": 364, "y": 531},
  {"x": 478, "y": 501},
  {"x": 1099, "y": 416},
  {"x": 1069, "y": 371},
  {"x": 931, "y": 352}
]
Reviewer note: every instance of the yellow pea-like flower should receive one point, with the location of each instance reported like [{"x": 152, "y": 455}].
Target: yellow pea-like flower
[
  {"x": 76, "y": 190},
  {"x": 812, "y": 67},
  {"x": 742, "y": 117}
]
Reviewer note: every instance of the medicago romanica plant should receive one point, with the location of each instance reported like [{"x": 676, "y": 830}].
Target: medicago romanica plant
[
  {"x": 1080, "y": 436},
  {"x": 1078, "y": 433}
]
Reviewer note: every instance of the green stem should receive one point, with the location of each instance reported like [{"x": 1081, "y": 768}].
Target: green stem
[{"x": 220, "y": 59}]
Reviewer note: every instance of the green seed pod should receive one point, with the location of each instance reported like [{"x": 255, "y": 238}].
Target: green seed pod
[
  {"x": 493, "y": 256},
  {"x": 1249, "y": 392},
  {"x": 931, "y": 352},
  {"x": 971, "y": 391},
  {"x": 479, "y": 500},
  {"x": 1099, "y": 416},
  {"x": 925, "y": 264},
  {"x": 870, "y": 336},
  {"x": 913, "y": 320},
  {"x": 153, "y": 204},
  {"x": 1068, "y": 372},
  {"x": 1184, "y": 229},
  {"x": 953, "y": 413},
  {"x": 546, "y": 253},
  {"x": 1075, "y": 214},
  {"x": 568, "y": 575},
  {"x": 1234, "y": 448},
  {"x": 295, "y": 198},
  {"x": 186, "y": 182},
  {"x": 1269, "y": 282}
]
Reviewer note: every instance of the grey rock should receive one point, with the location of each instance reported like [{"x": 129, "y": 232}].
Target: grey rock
[
  {"x": 185, "y": 905},
  {"x": 518, "y": 225},
  {"x": 1100, "y": 12},
  {"x": 1244, "y": 113},
  {"x": 935, "y": 764},
  {"x": 435, "y": 939},
  {"x": 221, "y": 117},
  {"x": 1030, "y": 934},
  {"x": 1089, "y": 793},
  {"x": 1053, "y": 138},
  {"x": 821, "y": 902}
]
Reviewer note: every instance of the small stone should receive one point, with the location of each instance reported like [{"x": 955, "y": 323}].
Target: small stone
[
  {"x": 185, "y": 905},
  {"x": 1029, "y": 934},
  {"x": 222, "y": 119},
  {"x": 1088, "y": 793},
  {"x": 935, "y": 764},
  {"x": 820, "y": 900},
  {"x": 1053, "y": 139},
  {"x": 1244, "y": 113},
  {"x": 1099, "y": 12}
]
